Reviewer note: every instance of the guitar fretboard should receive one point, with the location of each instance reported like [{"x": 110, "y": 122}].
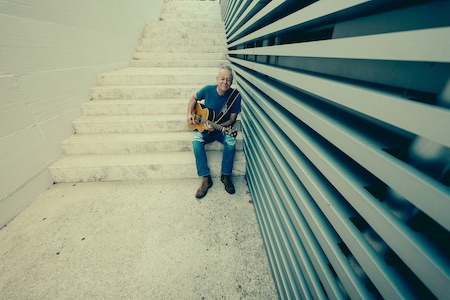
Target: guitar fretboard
[{"x": 214, "y": 125}]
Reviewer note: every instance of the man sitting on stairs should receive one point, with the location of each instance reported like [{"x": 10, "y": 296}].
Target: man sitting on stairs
[{"x": 225, "y": 104}]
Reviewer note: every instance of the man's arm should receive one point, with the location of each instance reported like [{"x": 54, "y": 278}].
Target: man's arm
[
  {"x": 190, "y": 113},
  {"x": 231, "y": 121},
  {"x": 190, "y": 109}
]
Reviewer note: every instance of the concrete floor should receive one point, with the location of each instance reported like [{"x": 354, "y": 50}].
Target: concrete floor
[{"x": 136, "y": 240}]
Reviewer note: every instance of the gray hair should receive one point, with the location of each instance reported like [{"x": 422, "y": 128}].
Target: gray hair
[{"x": 226, "y": 67}]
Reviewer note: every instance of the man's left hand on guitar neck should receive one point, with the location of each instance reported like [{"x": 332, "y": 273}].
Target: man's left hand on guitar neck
[
  {"x": 226, "y": 124},
  {"x": 230, "y": 122},
  {"x": 208, "y": 126}
]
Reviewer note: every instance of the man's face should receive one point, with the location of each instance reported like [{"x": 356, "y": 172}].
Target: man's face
[{"x": 224, "y": 80}]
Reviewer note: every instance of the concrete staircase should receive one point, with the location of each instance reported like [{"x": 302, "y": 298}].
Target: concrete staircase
[{"x": 135, "y": 126}]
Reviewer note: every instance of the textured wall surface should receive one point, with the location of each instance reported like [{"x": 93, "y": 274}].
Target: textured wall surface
[{"x": 50, "y": 53}]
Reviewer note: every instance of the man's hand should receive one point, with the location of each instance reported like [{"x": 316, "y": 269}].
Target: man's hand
[
  {"x": 191, "y": 119},
  {"x": 208, "y": 126},
  {"x": 191, "y": 110}
]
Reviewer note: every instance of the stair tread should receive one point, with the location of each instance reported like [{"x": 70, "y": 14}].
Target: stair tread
[
  {"x": 181, "y": 52},
  {"x": 211, "y": 22},
  {"x": 179, "y": 46},
  {"x": 131, "y": 118},
  {"x": 178, "y": 54},
  {"x": 218, "y": 61},
  {"x": 221, "y": 37},
  {"x": 155, "y": 158},
  {"x": 138, "y": 101},
  {"x": 132, "y": 137},
  {"x": 142, "y": 86},
  {"x": 163, "y": 71},
  {"x": 180, "y": 61}
]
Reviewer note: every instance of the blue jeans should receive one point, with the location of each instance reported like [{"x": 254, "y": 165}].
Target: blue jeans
[{"x": 201, "y": 139}]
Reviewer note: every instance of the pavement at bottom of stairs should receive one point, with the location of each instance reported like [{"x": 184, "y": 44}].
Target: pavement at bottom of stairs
[{"x": 136, "y": 240}]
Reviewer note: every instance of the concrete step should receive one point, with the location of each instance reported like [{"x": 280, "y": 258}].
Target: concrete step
[
  {"x": 134, "y": 107},
  {"x": 188, "y": 23},
  {"x": 160, "y": 165},
  {"x": 130, "y": 124},
  {"x": 124, "y": 143},
  {"x": 189, "y": 15},
  {"x": 160, "y": 28},
  {"x": 144, "y": 92},
  {"x": 193, "y": 10},
  {"x": 179, "y": 56},
  {"x": 152, "y": 76},
  {"x": 178, "y": 63},
  {"x": 184, "y": 39},
  {"x": 188, "y": 38},
  {"x": 133, "y": 124},
  {"x": 191, "y": 6},
  {"x": 180, "y": 48}
]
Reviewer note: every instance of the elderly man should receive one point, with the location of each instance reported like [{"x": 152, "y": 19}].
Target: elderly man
[{"x": 225, "y": 104}]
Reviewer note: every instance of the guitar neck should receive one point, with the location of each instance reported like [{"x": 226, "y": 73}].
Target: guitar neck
[
  {"x": 214, "y": 125},
  {"x": 202, "y": 120}
]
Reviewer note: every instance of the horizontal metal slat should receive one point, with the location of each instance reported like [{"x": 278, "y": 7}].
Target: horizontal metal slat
[
  {"x": 312, "y": 247},
  {"x": 312, "y": 12},
  {"x": 281, "y": 201},
  {"x": 235, "y": 13},
  {"x": 311, "y": 255},
  {"x": 270, "y": 248},
  {"x": 414, "y": 45},
  {"x": 414, "y": 251},
  {"x": 388, "y": 283},
  {"x": 363, "y": 113},
  {"x": 296, "y": 278},
  {"x": 415, "y": 186},
  {"x": 329, "y": 241},
  {"x": 418, "y": 118},
  {"x": 231, "y": 28},
  {"x": 231, "y": 11},
  {"x": 271, "y": 239},
  {"x": 260, "y": 14}
]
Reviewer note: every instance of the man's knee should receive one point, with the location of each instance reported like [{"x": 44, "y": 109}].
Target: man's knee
[
  {"x": 229, "y": 141},
  {"x": 197, "y": 139}
]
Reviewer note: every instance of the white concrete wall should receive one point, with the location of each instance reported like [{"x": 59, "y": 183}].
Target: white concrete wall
[{"x": 50, "y": 53}]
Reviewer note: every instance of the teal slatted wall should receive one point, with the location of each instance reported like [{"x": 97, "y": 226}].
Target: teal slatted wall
[{"x": 346, "y": 121}]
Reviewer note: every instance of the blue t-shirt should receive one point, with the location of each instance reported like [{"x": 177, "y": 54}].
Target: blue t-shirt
[{"x": 215, "y": 102}]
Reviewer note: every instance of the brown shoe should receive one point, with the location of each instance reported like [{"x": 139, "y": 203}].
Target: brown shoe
[
  {"x": 229, "y": 187},
  {"x": 204, "y": 186}
]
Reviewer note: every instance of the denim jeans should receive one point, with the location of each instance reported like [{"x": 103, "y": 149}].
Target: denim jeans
[{"x": 201, "y": 139}]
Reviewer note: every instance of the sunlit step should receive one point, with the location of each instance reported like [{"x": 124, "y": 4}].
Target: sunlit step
[
  {"x": 160, "y": 165},
  {"x": 125, "y": 143}
]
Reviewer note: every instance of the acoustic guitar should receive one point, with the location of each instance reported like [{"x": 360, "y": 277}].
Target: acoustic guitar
[{"x": 204, "y": 115}]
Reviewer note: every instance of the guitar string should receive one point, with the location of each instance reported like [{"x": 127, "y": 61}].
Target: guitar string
[{"x": 219, "y": 127}]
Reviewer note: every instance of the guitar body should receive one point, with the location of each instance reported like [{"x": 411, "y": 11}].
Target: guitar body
[{"x": 202, "y": 115}]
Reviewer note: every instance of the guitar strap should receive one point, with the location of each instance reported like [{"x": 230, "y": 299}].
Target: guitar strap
[{"x": 231, "y": 99}]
